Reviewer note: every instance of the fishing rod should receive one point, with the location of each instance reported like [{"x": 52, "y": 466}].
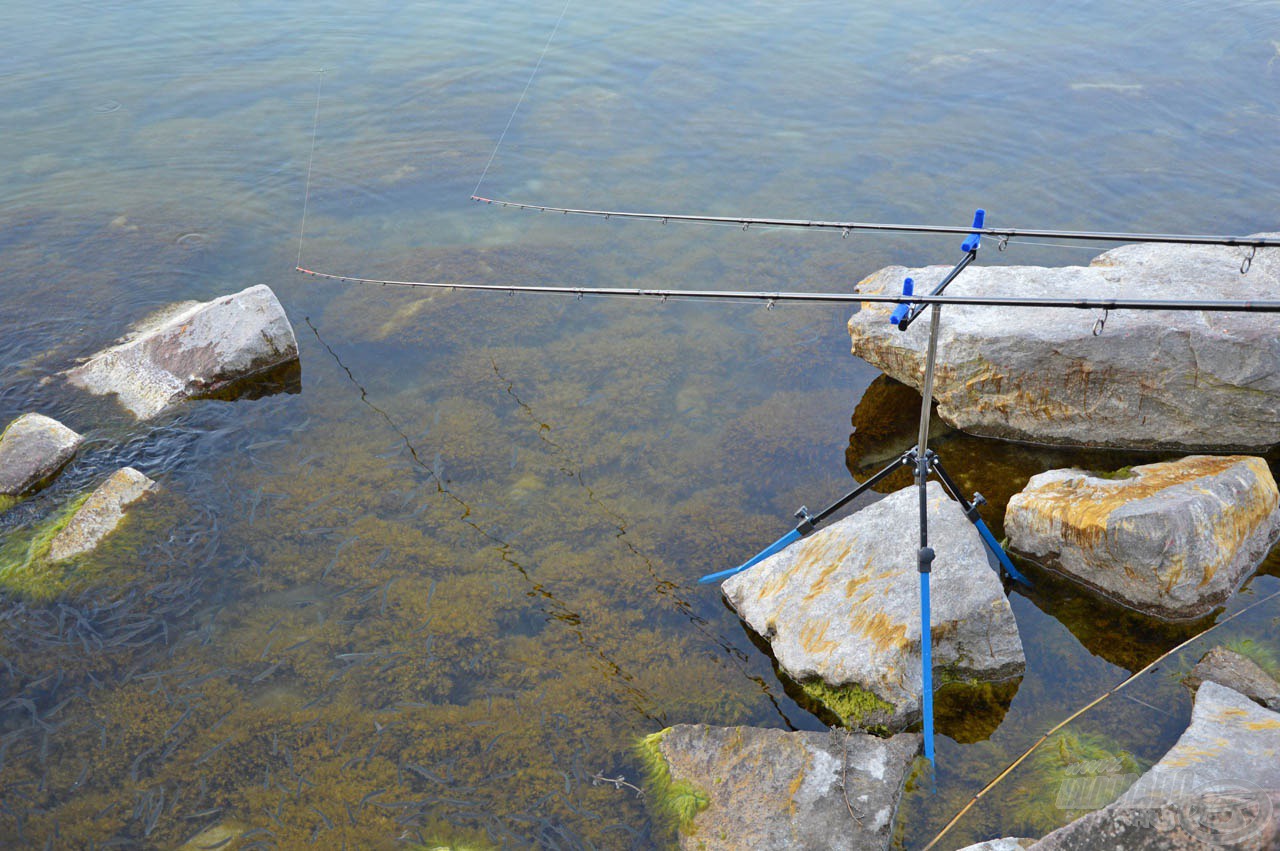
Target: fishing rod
[
  {"x": 1005, "y": 234},
  {"x": 779, "y": 297}
]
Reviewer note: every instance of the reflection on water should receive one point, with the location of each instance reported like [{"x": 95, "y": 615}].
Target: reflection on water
[{"x": 436, "y": 593}]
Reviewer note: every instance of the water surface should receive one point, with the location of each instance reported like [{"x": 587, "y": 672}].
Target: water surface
[{"x": 436, "y": 595}]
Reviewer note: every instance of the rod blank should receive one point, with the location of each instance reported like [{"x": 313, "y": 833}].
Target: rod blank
[
  {"x": 1007, "y": 233},
  {"x": 1215, "y": 306}
]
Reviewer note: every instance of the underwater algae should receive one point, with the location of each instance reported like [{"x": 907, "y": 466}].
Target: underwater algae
[
  {"x": 25, "y": 567},
  {"x": 370, "y": 622}
]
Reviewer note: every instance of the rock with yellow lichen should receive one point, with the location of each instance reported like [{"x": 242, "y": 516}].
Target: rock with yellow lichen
[
  {"x": 1217, "y": 787},
  {"x": 748, "y": 787},
  {"x": 1152, "y": 379},
  {"x": 1173, "y": 539},
  {"x": 841, "y": 610}
]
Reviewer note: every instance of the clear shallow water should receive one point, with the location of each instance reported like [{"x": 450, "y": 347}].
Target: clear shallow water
[{"x": 432, "y": 594}]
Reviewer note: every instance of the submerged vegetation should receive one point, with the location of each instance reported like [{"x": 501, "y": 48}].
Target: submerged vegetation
[
  {"x": 25, "y": 568},
  {"x": 431, "y": 598},
  {"x": 1070, "y": 774}
]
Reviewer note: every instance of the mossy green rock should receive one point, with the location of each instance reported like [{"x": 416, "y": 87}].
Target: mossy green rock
[
  {"x": 100, "y": 514},
  {"x": 748, "y": 787},
  {"x": 42, "y": 563}
]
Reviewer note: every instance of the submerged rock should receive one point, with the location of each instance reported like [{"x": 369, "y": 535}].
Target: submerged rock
[
  {"x": 1218, "y": 786},
  {"x": 1008, "y": 843},
  {"x": 1239, "y": 673},
  {"x": 33, "y": 448},
  {"x": 192, "y": 349},
  {"x": 1178, "y": 380},
  {"x": 747, "y": 787},
  {"x": 100, "y": 514},
  {"x": 1173, "y": 539},
  {"x": 841, "y": 610}
]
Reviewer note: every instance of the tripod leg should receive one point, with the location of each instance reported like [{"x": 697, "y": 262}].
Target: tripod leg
[
  {"x": 924, "y": 563},
  {"x": 971, "y": 511},
  {"x": 808, "y": 522}
]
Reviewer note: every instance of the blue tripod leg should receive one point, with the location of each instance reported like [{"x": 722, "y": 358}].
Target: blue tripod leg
[
  {"x": 998, "y": 551},
  {"x": 971, "y": 511}
]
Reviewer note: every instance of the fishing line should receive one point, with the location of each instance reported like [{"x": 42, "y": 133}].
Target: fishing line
[
  {"x": 519, "y": 101},
  {"x": 315, "y": 126},
  {"x": 1082, "y": 710}
]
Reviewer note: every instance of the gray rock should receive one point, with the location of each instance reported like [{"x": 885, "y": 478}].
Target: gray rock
[
  {"x": 759, "y": 788},
  {"x": 1172, "y": 540},
  {"x": 1218, "y": 786},
  {"x": 1239, "y": 673},
  {"x": 1008, "y": 843},
  {"x": 100, "y": 514},
  {"x": 192, "y": 349},
  {"x": 1163, "y": 379},
  {"x": 33, "y": 449},
  {"x": 841, "y": 609}
]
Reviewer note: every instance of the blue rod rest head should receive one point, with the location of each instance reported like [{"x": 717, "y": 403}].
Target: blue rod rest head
[
  {"x": 900, "y": 312},
  {"x": 971, "y": 242}
]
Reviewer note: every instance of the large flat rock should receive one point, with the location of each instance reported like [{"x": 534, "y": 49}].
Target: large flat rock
[
  {"x": 33, "y": 448},
  {"x": 748, "y": 787},
  {"x": 192, "y": 349},
  {"x": 1173, "y": 539},
  {"x": 841, "y": 609},
  {"x": 1217, "y": 787},
  {"x": 100, "y": 514},
  {"x": 1167, "y": 379}
]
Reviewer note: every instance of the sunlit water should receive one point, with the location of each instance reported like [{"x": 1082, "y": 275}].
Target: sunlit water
[{"x": 436, "y": 595}]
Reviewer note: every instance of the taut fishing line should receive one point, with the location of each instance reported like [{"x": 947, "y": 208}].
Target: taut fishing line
[
  {"x": 306, "y": 196},
  {"x": 1082, "y": 710},
  {"x": 520, "y": 100}
]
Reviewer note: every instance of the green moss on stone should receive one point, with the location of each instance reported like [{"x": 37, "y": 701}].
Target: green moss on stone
[
  {"x": 25, "y": 568},
  {"x": 1122, "y": 473},
  {"x": 676, "y": 802},
  {"x": 852, "y": 703}
]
